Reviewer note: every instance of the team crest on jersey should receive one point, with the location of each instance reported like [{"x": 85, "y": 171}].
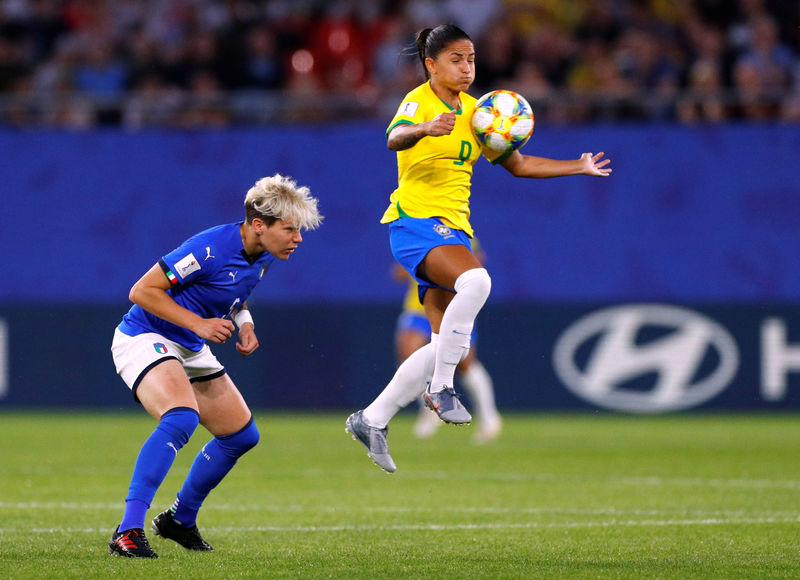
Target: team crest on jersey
[
  {"x": 409, "y": 109},
  {"x": 187, "y": 265},
  {"x": 443, "y": 231},
  {"x": 160, "y": 347}
]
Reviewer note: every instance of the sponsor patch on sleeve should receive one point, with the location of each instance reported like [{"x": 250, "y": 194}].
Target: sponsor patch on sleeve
[
  {"x": 187, "y": 265},
  {"x": 408, "y": 109}
]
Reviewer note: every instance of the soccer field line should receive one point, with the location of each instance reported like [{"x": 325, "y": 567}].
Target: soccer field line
[
  {"x": 575, "y": 479},
  {"x": 445, "y": 527},
  {"x": 614, "y": 479},
  {"x": 790, "y": 515},
  {"x": 509, "y": 526}
]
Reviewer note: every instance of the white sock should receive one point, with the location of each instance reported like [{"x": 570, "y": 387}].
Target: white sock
[
  {"x": 481, "y": 390},
  {"x": 472, "y": 289},
  {"x": 408, "y": 383}
]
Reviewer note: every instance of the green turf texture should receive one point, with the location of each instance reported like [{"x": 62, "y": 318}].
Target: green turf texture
[{"x": 565, "y": 496}]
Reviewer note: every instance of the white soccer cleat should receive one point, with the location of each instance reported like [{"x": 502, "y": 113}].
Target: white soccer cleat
[
  {"x": 373, "y": 439},
  {"x": 446, "y": 404}
]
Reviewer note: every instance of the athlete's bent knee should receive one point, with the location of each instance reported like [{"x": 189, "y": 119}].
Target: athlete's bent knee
[
  {"x": 179, "y": 423},
  {"x": 239, "y": 443},
  {"x": 476, "y": 282}
]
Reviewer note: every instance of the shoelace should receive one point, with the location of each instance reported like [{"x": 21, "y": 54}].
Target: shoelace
[
  {"x": 450, "y": 391},
  {"x": 128, "y": 544},
  {"x": 455, "y": 395}
]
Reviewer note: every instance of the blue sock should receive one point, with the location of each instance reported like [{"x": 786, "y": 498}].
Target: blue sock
[
  {"x": 155, "y": 458},
  {"x": 210, "y": 466}
]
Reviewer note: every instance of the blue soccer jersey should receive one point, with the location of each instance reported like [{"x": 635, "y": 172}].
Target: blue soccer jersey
[{"x": 211, "y": 275}]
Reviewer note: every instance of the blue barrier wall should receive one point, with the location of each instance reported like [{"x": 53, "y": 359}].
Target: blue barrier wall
[
  {"x": 689, "y": 215},
  {"x": 704, "y": 219}
]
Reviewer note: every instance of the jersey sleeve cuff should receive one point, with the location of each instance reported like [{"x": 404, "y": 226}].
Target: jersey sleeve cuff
[
  {"x": 171, "y": 276},
  {"x": 393, "y": 125},
  {"x": 502, "y": 158}
]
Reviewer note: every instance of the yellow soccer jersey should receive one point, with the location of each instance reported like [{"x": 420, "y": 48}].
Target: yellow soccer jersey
[{"x": 434, "y": 176}]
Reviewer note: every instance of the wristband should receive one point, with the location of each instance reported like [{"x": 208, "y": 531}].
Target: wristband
[{"x": 243, "y": 316}]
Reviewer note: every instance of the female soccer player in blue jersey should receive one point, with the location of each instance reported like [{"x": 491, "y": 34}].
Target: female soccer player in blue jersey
[
  {"x": 428, "y": 217},
  {"x": 192, "y": 295}
]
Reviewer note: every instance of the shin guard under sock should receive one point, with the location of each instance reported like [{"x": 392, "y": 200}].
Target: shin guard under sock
[{"x": 155, "y": 458}]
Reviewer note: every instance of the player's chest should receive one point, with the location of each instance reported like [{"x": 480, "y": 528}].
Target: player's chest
[
  {"x": 237, "y": 276},
  {"x": 459, "y": 146}
]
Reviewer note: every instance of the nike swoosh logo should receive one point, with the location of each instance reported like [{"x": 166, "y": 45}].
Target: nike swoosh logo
[{"x": 434, "y": 406}]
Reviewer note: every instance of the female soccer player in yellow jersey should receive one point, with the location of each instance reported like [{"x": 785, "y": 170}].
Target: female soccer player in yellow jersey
[{"x": 428, "y": 217}]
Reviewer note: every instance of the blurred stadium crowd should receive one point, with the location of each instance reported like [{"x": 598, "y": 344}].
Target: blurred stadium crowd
[{"x": 216, "y": 63}]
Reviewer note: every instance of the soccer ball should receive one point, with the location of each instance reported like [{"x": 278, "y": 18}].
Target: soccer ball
[{"x": 502, "y": 121}]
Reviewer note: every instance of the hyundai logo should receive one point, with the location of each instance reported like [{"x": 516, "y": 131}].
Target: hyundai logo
[{"x": 646, "y": 358}]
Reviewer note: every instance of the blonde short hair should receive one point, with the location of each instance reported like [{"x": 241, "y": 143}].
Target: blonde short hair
[{"x": 280, "y": 198}]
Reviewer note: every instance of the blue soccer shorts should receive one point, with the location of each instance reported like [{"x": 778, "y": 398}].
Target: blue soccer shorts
[{"x": 412, "y": 238}]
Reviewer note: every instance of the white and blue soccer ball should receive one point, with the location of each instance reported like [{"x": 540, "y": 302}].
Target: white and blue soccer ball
[{"x": 502, "y": 121}]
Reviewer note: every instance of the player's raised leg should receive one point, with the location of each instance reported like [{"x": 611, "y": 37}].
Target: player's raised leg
[{"x": 453, "y": 317}]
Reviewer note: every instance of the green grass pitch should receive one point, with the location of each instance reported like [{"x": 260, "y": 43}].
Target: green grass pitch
[{"x": 557, "y": 496}]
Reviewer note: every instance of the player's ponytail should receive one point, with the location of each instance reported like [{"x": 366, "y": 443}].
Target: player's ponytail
[
  {"x": 431, "y": 41},
  {"x": 422, "y": 37}
]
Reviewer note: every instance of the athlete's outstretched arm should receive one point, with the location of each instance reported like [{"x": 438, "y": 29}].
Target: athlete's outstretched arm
[
  {"x": 520, "y": 165},
  {"x": 150, "y": 292}
]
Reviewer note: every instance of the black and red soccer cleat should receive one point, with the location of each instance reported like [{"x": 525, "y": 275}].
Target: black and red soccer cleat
[
  {"x": 131, "y": 544},
  {"x": 164, "y": 525}
]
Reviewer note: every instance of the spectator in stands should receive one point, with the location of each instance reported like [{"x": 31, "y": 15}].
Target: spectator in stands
[
  {"x": 101, "y": 72},
  {"x": 201, "y": 58},
  {"x": 753, "y": 101},
  {"x": 204, "y": 103},
  {"x": 552, "y": 50},
  {"x": 12, "y": 64},
  {"x": 392, "y": 64},
  {"x": 703, "y": 102},
  {"x": 151, "y": 103},
  {"x": 774, "y": 62},
  {"x": 261, "y": 64},
  {"x": 599, "y": 87},
  {"x": 790, "y": 108},
  {"x": 500, "y": 59},
  {"x": 644, "y": 60},
  {"x": 342, "y": 46}
]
